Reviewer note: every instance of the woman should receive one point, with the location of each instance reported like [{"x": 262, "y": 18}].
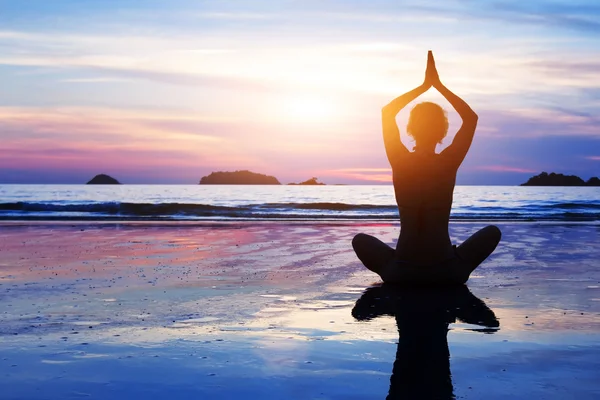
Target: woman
[{"x": 424, "y": 183}]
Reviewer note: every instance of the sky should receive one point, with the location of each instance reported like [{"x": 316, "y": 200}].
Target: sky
[{"x": 165, "y": 92}]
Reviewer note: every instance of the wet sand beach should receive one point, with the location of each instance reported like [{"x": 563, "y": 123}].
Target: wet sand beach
[{"x": 274, "y": 310}]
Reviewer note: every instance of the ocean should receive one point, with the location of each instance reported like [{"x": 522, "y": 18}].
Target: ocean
[{"x": 270, "y": 202}]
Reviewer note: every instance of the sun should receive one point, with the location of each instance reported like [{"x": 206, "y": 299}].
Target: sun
[{"x": 308, "y": 108}]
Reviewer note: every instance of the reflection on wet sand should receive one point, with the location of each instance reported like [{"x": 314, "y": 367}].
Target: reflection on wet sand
[{"x": 422, "y": 366}]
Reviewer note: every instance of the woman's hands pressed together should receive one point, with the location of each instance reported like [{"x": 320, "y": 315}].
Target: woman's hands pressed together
[{"x": 432, "y": 77}]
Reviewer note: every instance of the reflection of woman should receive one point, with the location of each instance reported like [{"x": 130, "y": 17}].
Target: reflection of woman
[
  {"x": 424, "y": 184},
  {"x": 422, "y": 366}
]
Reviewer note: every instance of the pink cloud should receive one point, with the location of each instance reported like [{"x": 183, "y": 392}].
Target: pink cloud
[
  {"x": 375, "y": 175},
  {"x": 88, "y": 137},
  {"x": 593, "y": 158},
  {"x": 504, "y": 168}
]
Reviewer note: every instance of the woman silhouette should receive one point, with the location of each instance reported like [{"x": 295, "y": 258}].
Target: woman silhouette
[{"x": 424, "y": 183}]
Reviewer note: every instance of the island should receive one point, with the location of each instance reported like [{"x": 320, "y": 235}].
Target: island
[
  {"x": 103, "y": 179},
  {"x": 552, "y": 179},
  {"x": 311, "y": 181},
  {"x": 244, "y": 177}
]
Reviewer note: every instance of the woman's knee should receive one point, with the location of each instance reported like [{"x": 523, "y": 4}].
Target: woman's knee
[
  {"x": 494, "y": 233},
  {"x": 480, "y": 245},
  {"x": 360, "y": 240}
]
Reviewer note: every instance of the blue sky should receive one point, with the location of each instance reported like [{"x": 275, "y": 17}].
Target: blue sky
[{"x": 166, "y": 92}]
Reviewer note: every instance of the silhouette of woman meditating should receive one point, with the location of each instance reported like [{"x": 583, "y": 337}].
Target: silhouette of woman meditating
[{"x": 424, "y": 184}]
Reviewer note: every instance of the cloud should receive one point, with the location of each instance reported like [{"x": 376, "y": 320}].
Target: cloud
[
  {"x": 243, "y": 16},
  {"x": 575, "y": 74},
  {"x": 538, "y": 122},
  {"x": 252, "y": 58},
  {"x": 364, "y": 170},
  {"x": 593, "y": 158},
  {"x": 364, "y": 175},
  {"x": 59, "y": 138},
  {"x": 562, "y": 15},
  {"x": 504, "y": 168},
  {"x": 100, "y": 79},
  {"x": 245, "y": 63},
  {"x": 104, "y": 125},
  {"x": 183, "y": 78},
  {"x": 568, "y": 67},
  {"x": 566, "y": 14}
]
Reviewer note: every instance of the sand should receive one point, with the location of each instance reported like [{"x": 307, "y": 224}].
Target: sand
[{"x": 265, "y": 310}]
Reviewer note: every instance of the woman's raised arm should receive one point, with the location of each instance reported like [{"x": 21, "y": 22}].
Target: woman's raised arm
[
  {"x": 464, "y": 137},
  {"x": 391, "y": 134}
]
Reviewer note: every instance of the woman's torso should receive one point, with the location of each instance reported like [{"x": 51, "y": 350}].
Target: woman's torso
[{"x": 424, "y": 185}]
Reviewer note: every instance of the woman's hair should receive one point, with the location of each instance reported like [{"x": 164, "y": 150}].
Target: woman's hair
[{"x": 427, "y": 122}]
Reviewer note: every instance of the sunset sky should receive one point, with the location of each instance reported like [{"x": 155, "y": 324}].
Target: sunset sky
[{"x": 155, "y": 91}]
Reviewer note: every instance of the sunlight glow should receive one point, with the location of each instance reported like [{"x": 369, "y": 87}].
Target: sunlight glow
[{"x": 308, "y": 108}]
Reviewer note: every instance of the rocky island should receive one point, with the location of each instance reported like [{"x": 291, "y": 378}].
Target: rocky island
[
  {"x": 311, "y": 181},
  {"x": 244, "y": 177},
  {"x": 552, "y": 179},
  {"x": 103, "y": 179}
]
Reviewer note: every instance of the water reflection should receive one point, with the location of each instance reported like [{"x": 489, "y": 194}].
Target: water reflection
[{"x": 422, "y": 366}]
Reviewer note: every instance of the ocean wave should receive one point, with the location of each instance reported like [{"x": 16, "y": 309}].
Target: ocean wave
[
  {"x": 580, "y": 211},
  {"x": 183, "y": 208},
  {"x": 329, "y": 206},
  {"x": 119, "y": 208},
  {"x": 582, "y": 205}
]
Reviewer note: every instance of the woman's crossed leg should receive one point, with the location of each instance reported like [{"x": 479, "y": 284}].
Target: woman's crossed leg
[{"x": 381, "y": 259}]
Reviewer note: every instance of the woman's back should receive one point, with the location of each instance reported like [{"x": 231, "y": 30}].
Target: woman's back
[{"x": 424, "y": 185}]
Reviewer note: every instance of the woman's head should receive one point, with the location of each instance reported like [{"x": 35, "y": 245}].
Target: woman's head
[{"x": 427, "y": 124}]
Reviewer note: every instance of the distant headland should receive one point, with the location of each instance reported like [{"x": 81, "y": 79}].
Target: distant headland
[
  {"x": 103, "y": 179},
  {"x": 244, "y": 177},
  {"x": 552, "y": 179},
  {"x": 311, "y": 181}
]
